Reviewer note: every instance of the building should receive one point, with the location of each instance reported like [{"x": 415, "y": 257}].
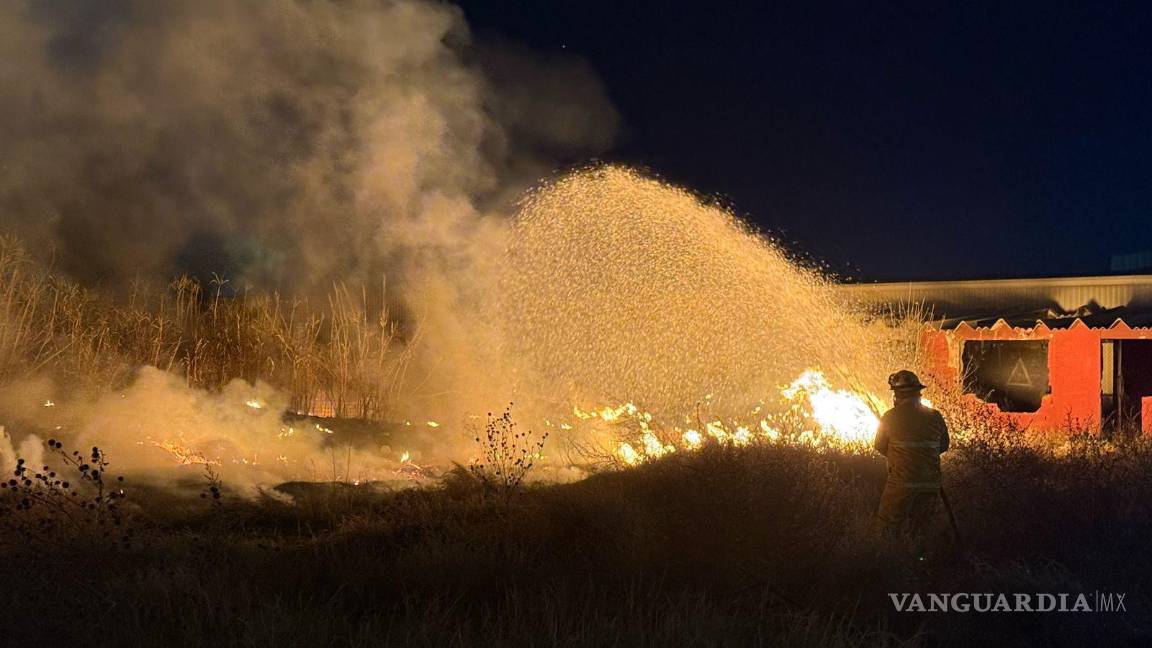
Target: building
[{"x": 1045, "y": 352}]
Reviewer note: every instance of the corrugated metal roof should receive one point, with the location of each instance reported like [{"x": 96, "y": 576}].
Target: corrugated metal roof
[
  {"x": 1064, "y": 294},
  {"x": 1058, "y": 303}
]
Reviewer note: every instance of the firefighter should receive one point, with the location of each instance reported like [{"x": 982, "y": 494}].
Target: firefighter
[{"x": 911, "y": 437}]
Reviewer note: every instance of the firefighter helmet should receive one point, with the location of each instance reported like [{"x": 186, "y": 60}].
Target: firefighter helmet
[{"x": 905, "y": 380}]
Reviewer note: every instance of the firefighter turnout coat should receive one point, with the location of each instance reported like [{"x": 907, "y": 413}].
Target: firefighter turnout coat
[{"x": 911, "y": 437}]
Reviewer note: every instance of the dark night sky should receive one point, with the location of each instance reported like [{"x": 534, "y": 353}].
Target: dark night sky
[{"x": 890, "y": 140}]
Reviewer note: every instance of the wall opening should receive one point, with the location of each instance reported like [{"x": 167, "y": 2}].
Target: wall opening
[
  {"x": 1125, "y": 379},
  {"x": 1013, "y": 374}
]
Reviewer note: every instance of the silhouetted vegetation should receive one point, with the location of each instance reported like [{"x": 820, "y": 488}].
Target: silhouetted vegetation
[
  {"x": 765, "y": 545},
  {"x": 770, "y": 544},
  {"x": 45, "y": 505},
  {"x": 506, "y": 455}
]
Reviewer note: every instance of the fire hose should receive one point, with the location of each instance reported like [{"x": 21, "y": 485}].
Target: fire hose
[{"x": 951, "y": 516}]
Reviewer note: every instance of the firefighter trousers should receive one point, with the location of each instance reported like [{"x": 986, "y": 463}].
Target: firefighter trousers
[{"x": 907, "y": 510}]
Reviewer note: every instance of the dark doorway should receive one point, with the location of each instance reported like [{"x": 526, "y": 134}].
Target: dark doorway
[{"x": 1125, "y": 378}]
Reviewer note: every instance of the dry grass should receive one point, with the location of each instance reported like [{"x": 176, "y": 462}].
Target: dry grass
[
  {"x": 346, "y": 349},
  {"x": 761, "y": 546},
  {"x": 770, "y": 545}
]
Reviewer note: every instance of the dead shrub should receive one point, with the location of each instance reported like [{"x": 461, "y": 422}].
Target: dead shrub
[
  {"x": 45, "y": 505},
  {"x": 506, "y": 455}
]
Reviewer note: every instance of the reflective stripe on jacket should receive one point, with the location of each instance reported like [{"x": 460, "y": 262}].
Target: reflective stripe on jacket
[{"x": 912, "y": 436}]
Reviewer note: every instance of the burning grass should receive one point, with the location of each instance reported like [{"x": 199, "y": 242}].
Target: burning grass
[
  {"x": 738, "y": 523},
  {"x": 769, "y": 544},
  {"x": 215, "y": 348}
]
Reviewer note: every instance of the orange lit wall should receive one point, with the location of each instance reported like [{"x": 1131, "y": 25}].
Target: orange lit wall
[{"x": 1073, "y": 368}]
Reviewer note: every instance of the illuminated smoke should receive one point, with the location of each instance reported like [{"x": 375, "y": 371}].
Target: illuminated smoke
[
  {"x": 615, "y": 288},
  {"x": 290, "y": 144}
]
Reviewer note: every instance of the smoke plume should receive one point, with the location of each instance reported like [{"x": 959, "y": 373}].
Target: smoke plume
[{"x": 287, "y": 144}]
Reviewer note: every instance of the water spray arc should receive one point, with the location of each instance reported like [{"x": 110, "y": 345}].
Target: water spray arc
[{"x": 619, "y": 288}]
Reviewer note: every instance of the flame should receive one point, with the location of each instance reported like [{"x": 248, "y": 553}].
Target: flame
[
  {"x": 716, "y": 430},
  {"x": 654, "y": 448},
  {"x": 610, "y": 414},
  {"x": 830, "y": 417},
  {"x": 840, "y": 413},
  {"x": 628, "y": 454},
  {"x": 254, "y": 403},
  {"x": 692, "y": 439},
  {"x": 184, "y": 456}
]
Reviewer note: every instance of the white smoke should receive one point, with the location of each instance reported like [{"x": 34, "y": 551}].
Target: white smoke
[
  {"x": 285, "y": 145},
  {"x": 159, "y": 428}
]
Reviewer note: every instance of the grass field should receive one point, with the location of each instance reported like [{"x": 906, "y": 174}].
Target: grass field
[
  {"x": 767, "y": 545},
  {"x": 771, "y": 544}
]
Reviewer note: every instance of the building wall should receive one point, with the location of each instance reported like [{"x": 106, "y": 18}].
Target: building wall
[{"x": 1074, "y": 368}]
